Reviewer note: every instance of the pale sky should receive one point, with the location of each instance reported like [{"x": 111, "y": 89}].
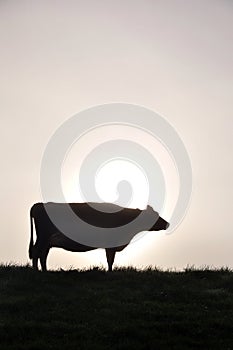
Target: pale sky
[{"x": 174, "y": 57}]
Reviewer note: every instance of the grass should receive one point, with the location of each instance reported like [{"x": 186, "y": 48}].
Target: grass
[{"x": 125, "y": 309}]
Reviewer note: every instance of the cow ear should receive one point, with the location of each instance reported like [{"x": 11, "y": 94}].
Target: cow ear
[{"x": 149, "y": 208}]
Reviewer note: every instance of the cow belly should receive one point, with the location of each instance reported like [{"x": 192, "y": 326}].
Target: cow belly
[{"x": 59, "y": 240}]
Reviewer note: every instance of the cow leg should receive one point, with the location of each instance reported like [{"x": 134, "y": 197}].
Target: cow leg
[
  {"x": 110, "y": 254},
  {"x": 34, "y": 256},
  {"x": 43, "y": 258},
  {"x": 35, "y": 263}
]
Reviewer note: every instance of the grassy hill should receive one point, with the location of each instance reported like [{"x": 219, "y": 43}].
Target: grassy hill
[{"x": 125, "y": 309}]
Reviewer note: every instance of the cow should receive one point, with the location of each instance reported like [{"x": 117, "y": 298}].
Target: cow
[{"x": 95, "y": 214}]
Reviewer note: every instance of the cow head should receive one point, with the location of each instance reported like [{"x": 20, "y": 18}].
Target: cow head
[{"x": 160, "y": 223}]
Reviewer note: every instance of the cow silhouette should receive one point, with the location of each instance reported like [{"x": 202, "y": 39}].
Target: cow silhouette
[{"x": 105, "y": 215}]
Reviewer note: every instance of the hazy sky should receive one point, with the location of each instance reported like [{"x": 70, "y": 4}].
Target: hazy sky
[{"x": 174, "y": 57}]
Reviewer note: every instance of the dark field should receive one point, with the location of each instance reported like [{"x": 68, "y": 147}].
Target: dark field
[{"x": 125, "y": 309}]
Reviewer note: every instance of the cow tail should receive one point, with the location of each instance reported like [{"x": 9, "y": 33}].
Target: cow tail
[{"x": 31, "y": 239}]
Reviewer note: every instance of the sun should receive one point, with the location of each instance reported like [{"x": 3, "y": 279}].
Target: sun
[{"x": 120, "y": 180}]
